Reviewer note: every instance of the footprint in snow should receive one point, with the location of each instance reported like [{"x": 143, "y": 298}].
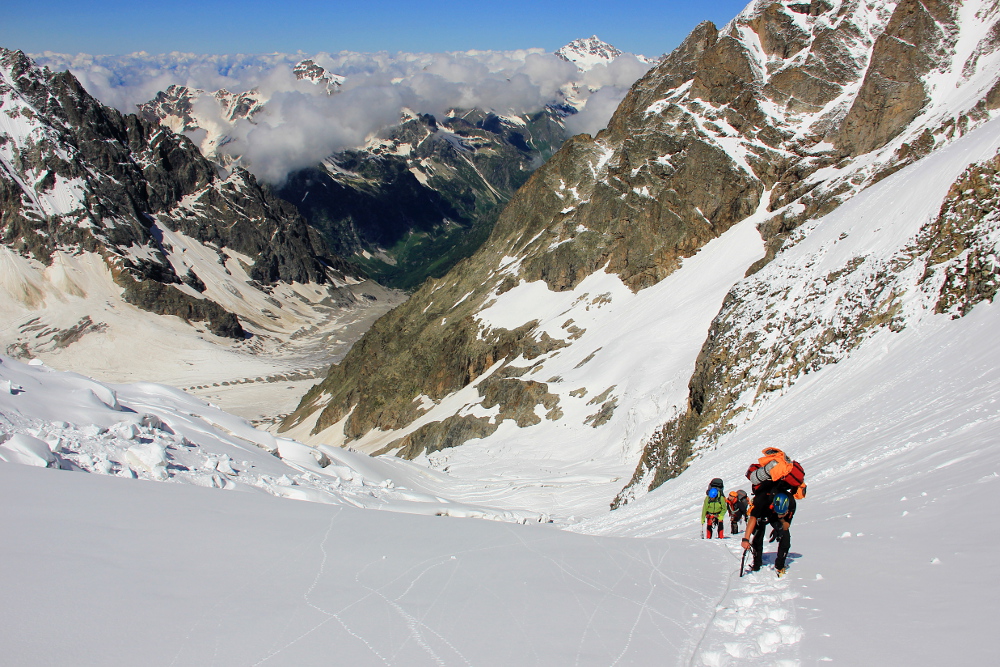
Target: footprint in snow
[{"x": 754, "y": 624}]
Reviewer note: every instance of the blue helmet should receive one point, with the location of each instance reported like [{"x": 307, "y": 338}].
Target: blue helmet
[
  {"x": 781, "y": 503},
  {"x": 713, "y": 493}
]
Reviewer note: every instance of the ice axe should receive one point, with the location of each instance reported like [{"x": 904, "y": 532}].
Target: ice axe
[{"x": 743, "y": 561}]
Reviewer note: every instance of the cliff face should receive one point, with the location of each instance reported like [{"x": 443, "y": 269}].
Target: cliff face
[
  {"x": 77, "y": 175},
  {"x": 425, "y": 193},
  {"x": 773, "y": 121},
  {"x": 931, "y": 79}
]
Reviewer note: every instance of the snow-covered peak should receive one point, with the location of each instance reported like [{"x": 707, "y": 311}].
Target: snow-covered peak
[
  {"x": 587, "y": 52},
  {"x": 181, "y": 109},
  {"x": 309, "y": 70}
]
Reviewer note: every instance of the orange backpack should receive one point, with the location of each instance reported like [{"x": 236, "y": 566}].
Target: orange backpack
[
  {"x": 784, "y": 468},
  {"x": 782, "y": 464}
]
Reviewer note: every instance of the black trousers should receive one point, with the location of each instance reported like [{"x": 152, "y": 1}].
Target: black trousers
[{"x": 784, "y": 543}]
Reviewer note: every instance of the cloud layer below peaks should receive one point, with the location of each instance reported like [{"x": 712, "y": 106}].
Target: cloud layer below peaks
[{"x": 302, "y": 124}]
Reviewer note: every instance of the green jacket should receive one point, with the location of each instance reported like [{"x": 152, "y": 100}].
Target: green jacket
[{"x": 717, "y": 506}]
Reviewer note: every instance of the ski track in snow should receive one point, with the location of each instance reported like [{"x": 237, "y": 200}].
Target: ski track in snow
[
  {"x": 306, "y": 596},
  {"x": 414, "y": 625},
  {"x": 754, "y": 622},
  {"x": 644, "y": 608},
  {"x": 214, "y": 610}
]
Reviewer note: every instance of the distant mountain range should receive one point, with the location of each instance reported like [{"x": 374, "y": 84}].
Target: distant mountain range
[
  {"x": 103, "y": 212},
  {"x": 420, "y": 195}
]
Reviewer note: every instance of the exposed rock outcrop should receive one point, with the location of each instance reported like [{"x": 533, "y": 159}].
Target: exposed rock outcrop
[{"x": 779, "y": 115}]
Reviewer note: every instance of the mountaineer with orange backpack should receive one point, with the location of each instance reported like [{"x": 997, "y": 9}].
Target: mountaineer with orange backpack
[
  {"x": 738, "y": 506},
  {"x": 714, "y": 508},
  {"x": 777, "y": 482}
]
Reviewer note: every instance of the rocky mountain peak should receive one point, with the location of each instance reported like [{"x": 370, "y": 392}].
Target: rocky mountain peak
[
  {"x": 176, "y": 108},
  {"x": 79, "y": 177},
  {"x": 309, "y": 70}
]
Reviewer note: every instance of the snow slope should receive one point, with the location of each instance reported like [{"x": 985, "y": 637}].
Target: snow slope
[
  {"x": 893, "y": 561},
  {"x": 123, "y": 573},
  {"x": 890, "y": 565}
]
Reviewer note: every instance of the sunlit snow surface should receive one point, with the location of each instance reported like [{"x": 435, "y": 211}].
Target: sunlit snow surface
[
  {"x": 184, "y": 575},
  {"x": 888, "y": 552},
  {"x": 893, "y": 557}
]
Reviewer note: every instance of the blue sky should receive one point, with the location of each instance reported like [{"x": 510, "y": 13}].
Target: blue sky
[{"x": 649, "y": 27}]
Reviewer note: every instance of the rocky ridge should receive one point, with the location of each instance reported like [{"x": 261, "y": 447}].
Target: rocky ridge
[
  {"x": 780, "y": 117},
  {"x": 177, "y": 108},
  {"x": 79, "y": 177}
]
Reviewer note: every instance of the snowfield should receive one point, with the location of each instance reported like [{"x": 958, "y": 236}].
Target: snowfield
[
  {"x": 890, "y": 553},
  {"x": 893, "y": 557},
  {"x": 243, "y": 579}
]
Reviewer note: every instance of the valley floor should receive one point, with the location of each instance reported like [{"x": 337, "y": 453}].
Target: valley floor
[
  {"x": 264, "y": 398},
  {"x": 87, "y": 328}
]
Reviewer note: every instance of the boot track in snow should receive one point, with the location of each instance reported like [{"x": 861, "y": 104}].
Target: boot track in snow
[{"x": 753, "y": 622}]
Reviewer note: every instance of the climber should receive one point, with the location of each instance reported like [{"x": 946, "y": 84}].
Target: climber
[
  {"x": 777, "y": 482},
  {"x": 738, "y": 504},
  {"x": 713, "y": 510}
]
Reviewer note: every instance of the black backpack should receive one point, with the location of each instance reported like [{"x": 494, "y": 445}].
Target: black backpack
[{"x": 716, "y": 483}]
